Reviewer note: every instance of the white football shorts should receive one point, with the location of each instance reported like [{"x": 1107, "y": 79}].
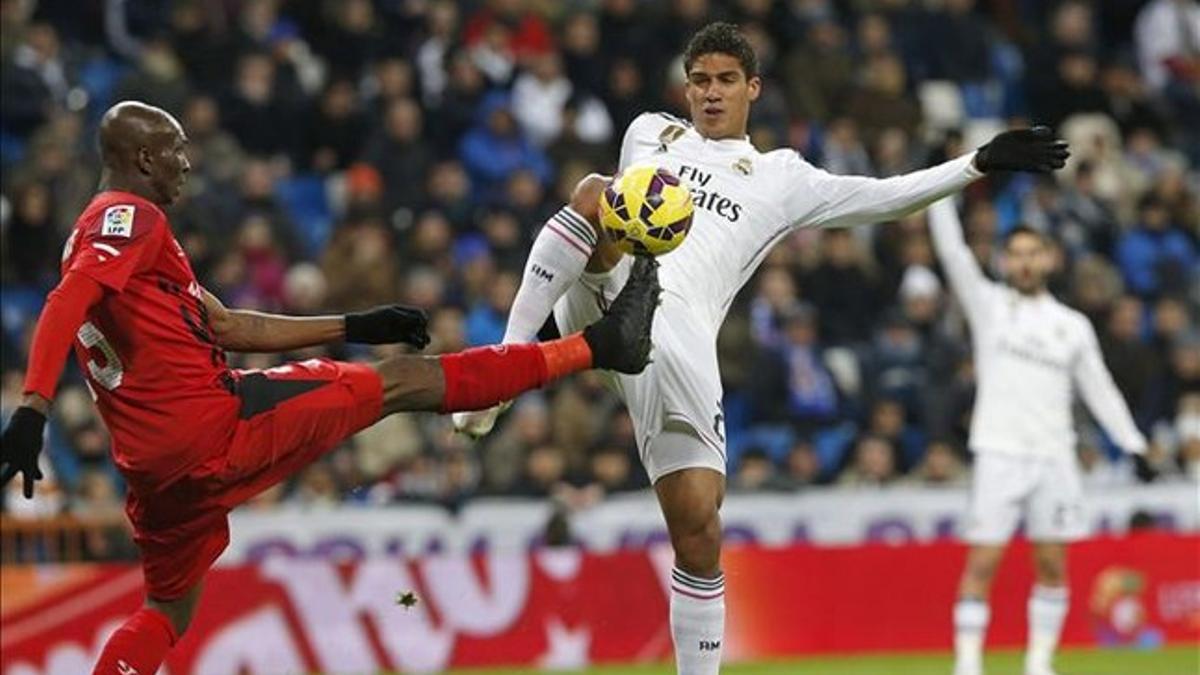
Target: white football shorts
[
  {"x": 680, "y": 388},
  {"x": 1046, "y": 491}
]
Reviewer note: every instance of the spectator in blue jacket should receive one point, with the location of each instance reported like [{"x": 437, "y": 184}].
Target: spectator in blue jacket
[
  {"x": 1155, "y": 257},
  {"x": 494, "y": 148},
  {"x": 792, "y": 382}
]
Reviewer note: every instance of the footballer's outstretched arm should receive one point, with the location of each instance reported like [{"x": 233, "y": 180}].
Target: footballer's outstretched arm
[
  {"x": 65, "y": 311},
  {"x": 967, "y": 280},
  {"x": 248, "y": 331},
  {"x": 820, "y": 199}
]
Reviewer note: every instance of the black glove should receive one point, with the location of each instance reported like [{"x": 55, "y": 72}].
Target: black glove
[
  {"x": 1033, "y": 149},
  {"x": 387, "y": 324},
  {"x": 20, "y": 446}
]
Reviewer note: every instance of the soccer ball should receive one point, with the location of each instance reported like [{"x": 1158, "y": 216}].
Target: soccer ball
[{"x": 646, "y": 210}]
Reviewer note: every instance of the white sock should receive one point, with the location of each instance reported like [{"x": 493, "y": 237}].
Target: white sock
[
  {"x": 970, "y": 626},
  {"x": 697, "y": 622},
  {"x": 1047, "y": 610},
  {"x": 557, "y": 258}
]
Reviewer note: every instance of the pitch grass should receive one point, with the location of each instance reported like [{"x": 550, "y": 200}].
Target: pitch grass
[{"x": 1172, "y": 661}]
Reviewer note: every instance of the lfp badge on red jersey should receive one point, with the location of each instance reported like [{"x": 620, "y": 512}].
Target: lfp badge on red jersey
[{"x": 118, "y": 221}]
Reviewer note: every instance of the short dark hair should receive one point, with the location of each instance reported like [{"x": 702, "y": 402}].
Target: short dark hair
[
  {"x": 721, "y": 37},
  {"x": 1024, "y": 229}
]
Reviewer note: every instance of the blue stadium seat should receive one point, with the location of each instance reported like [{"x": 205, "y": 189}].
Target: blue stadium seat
[
  {"x": 99, "y": 78},
  {"x": 12, "y": 149},
  {"x": 831, "y": 445},
  {"x": 736, "y": 407},
  {"x": 304, "y": 199},
  {"x": 775, "y": 440},
  {"x": 21, "y": 306},
  {"x": 1008, "y": 67},
  {"x": 982, "y": 100}
]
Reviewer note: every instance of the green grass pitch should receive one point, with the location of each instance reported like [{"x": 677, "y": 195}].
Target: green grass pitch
[{"x": 1172, "y": 661}]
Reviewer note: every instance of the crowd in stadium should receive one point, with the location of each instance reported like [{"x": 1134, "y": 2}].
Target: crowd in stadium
[{"x": 346, "y": 154}]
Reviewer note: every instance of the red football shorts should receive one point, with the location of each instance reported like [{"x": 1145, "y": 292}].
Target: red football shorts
[{"x": 289, "y": 416}]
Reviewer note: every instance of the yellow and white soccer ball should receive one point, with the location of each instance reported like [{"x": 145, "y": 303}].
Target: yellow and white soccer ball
[{"x": 646, "y": 210}]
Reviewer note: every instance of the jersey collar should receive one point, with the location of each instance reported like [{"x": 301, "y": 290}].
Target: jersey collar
[
  {"x": 131, "y": 197},
  {"x": 724, "y": 142}
]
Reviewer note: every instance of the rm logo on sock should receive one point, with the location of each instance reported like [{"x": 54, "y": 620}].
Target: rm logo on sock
[{"x": 710, "y": 645}]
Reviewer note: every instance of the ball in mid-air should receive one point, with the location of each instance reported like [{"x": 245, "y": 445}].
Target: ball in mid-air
[{"x": 646, "y": 210}]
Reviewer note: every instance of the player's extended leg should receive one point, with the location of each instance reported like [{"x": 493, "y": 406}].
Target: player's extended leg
[
  {"x": 139, "y": 646},
  {"x": 1048, "y": 604},
  {"x": 971, "y": 612},
  {"x": 569, "y": 244},
  {"x": 291, "y": 415},
  {"x": 691, "y": 501},
  {"x": 482, "y": 377}
]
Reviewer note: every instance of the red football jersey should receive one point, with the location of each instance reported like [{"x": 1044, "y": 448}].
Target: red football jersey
[{"x": 147, "y": 348}]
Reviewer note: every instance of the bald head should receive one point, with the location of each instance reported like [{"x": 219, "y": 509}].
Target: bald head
[
  {"x": 128, "y": 127},
  {"x": 141, "y": 147}
]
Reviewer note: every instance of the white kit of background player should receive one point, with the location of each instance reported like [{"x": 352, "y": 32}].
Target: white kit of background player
[
  {"x": 746, "y": 201},
  {"x": 1032, "y": 354}
]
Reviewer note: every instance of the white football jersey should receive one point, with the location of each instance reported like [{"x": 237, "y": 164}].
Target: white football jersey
[
  {"x": 747, "y": 201},
  {"x": 1032, "y": 353}
]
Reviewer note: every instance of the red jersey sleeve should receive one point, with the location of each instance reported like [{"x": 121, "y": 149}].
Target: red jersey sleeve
[
  {"x": 64, "y": 313},
  {"x": 125, "y": 239}
]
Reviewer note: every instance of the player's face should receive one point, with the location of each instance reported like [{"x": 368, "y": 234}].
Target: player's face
[
  {"x": 169, "y": 165},
  {"x": 719, "y": 95},
  {"x": 1027, "y": 263}
]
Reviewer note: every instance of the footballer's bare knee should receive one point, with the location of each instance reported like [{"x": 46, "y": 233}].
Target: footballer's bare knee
[
  {"x": 1050, "y": 563},
  {"x": 691, "y": 501},
  {"x": 697, "y": 545},
  {"x": 411, "y": 383},
  {"x": 180, "y": 610},
  {"x": 585, "y": 200},
  {"x": 982, "y": 562}
]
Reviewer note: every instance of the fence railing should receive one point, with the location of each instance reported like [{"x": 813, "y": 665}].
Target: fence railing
[{"x": 65, "y": 538}]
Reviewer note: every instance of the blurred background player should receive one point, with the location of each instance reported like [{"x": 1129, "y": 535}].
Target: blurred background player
[
  {"x": 193, "y": 437},
  {"x": 1032, "y": 354},
  {"x": 746, "y": 202}
]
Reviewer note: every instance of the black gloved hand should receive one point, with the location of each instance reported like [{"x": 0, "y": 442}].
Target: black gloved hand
[
  {"x": 1033, "y": 149},
  {"x": 387, "y": 324},
  {"x": 20, "y": 446}
]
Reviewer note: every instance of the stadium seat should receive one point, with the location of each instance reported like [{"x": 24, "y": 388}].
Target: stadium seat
[
  {"x": 21, "y": 305},
  {"x": 775, "y": 440},
  {"x": 12, "y": 149},
  {"x": 99, "y": 78},
  {"x": 736, "y": 406},
  {"x": 831, "y": 445},
  {"x": 982, "y": 99},
  {"x": 1008, "y": 68},
  {"x": 305, "y": 200}
]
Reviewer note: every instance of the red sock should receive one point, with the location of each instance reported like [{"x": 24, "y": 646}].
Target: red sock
[
  {"x": 139, "y": 646},
  {"x": 482, "y": 377}
]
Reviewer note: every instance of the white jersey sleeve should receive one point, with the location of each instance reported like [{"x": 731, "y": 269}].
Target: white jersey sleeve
[
  {"x": 972, "y": 288},
  {"x": 1100, "y": 393},
  {"x": 817, "y": 198}
]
